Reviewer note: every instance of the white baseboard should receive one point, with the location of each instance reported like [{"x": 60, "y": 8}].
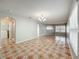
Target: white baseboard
[
  {"x": 22, "y": 41},
  {"x": 25, "y": 40},
  {"x": 29, "y": 39}
]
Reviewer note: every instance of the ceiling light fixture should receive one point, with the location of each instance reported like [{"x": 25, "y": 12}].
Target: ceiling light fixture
[
  {"x": 42, "y": 18},
  {"x": 42, "y": 15}
]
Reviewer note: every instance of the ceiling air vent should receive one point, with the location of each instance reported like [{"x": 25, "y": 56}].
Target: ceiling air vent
[{"x": 77, "y": 0}]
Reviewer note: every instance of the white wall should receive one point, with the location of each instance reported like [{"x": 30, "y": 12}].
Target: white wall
[{"x": 25, "y": 29}]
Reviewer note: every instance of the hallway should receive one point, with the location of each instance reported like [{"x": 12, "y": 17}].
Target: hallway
[{"x": 45, "y": 47}]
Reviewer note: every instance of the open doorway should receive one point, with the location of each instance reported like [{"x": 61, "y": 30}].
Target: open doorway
[{"x": 7, "y": 28}]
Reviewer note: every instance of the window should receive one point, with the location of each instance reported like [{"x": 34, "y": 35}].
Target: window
[
  {"x": 60, "y": 28},
  {"x": 49, "y": 28}
]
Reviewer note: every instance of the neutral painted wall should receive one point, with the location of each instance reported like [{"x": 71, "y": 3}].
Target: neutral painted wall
[{"x": 26, "y": 29}]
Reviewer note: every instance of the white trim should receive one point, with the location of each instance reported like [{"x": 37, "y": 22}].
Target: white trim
[
  {"x": 29, "y": 39},
  {"x": 22, "y": 41},
  {"x": 25, "y": 40}
]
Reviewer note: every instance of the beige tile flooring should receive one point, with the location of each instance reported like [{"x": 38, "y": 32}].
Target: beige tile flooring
[{"x": 46, "y": 47}]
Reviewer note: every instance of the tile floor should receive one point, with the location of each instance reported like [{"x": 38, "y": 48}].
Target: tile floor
[{"x": 46, "y": 47}]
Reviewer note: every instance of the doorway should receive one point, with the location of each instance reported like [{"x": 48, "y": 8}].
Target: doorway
[{"x": 8, "y": 33}]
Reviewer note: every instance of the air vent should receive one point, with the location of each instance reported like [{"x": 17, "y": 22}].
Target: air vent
[{"x": 77, "y": 0}]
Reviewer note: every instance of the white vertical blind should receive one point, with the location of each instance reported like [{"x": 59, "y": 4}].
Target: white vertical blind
[{"x": 73, "y": 26}]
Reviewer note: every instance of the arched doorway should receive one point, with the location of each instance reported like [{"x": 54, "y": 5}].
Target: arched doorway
[{"x": 7, "y": 31}]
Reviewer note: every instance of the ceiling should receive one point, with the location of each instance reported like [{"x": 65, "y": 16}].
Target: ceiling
[{"x": 55, "y": 11}]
